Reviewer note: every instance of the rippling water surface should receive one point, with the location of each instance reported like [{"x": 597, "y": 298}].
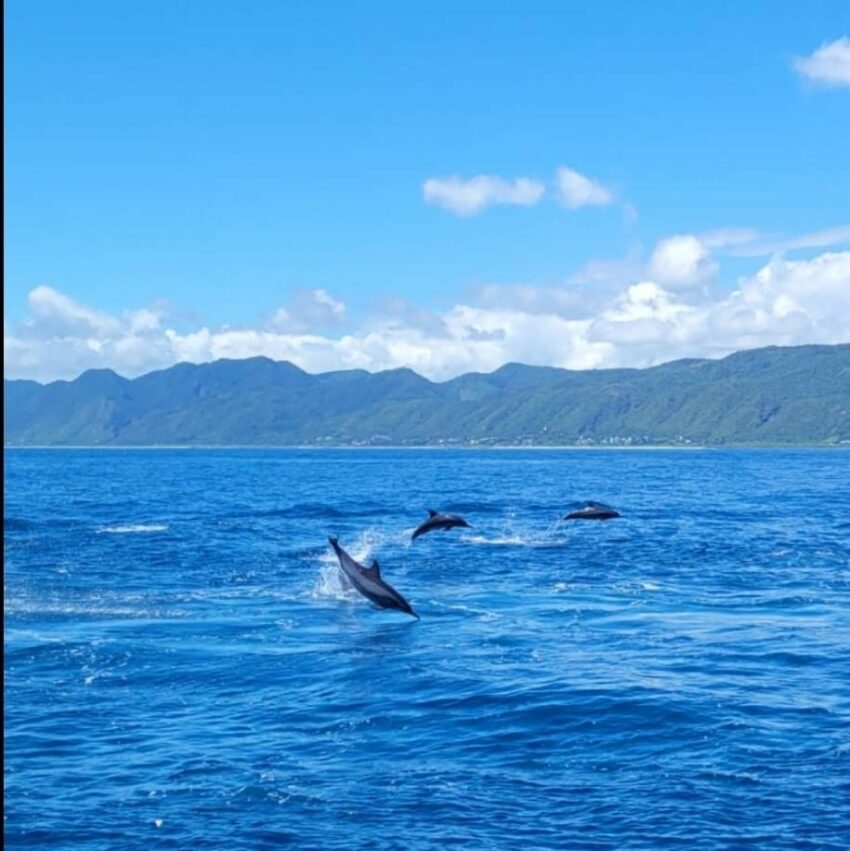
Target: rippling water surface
[{"x": 184, "y": 670}]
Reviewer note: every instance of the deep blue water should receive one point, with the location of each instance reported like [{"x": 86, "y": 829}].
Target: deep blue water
[{"x": 182, "y": 669}]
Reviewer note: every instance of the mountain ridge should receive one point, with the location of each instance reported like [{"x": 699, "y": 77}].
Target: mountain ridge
[{"x": 773, "y": 395}]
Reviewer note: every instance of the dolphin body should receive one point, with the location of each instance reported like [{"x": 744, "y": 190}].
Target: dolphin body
[
  {"x": 437, "y": 520},
  {"x": 593, "y": 511},
  {"x": 367, "y": 580}
]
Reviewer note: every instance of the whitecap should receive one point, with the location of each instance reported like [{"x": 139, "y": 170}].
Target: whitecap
[
  {"x": 132, "y": 528},
  {"x": 501, "y": 541}
]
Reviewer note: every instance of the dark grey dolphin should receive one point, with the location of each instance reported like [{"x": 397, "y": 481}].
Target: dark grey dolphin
[
  {"x": 367, "y": 580},
  {"x": 437, "y": 520},
  {"x": 593, "y": 511}
]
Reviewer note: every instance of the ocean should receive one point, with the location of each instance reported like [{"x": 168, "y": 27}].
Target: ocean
[{"x": 185, "y": 670}]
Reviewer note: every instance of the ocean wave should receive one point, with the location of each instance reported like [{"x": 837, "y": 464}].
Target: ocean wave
[
  {"x": 473, "y": 507},
  {"x": 85, "y": 609},
  {"x": 132, "y": 528},
  {"x": 646, "y": 683},
  {"x": 536, "y": 540},
  {"x": 319, "y": 510},
  {"x": 17, "y": 524},
  {"x": 498, "y": 541}
]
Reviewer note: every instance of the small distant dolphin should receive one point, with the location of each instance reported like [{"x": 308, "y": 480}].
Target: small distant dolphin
[
  {"x": 437, "y": 520},
  {"x": 367, "y": 580},
  {"x": 593, "y": 511}
]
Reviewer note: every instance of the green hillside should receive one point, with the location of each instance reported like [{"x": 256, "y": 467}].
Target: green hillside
[{"x": 762, "y": 396}]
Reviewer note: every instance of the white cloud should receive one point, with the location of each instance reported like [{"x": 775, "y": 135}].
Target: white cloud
[
  {"x": 143, "y": 320},
  {"x": 687, "y": 261},
  {"x": 62, "y": 312},
  {"x": 829, "y": 64},
  {"x": 786, "y": 302},
  {"x": 819, "y": 239},
  {"x": 309, "y": 310},
  {"x": 468, "y": 197},
  {"x": 645, "y": 300},
  {"x": 682, "y": 262},
  {"x": 725, "y": 237},
  {"x": 576, "y": 190},
  {"x": 578, "y": 301},
  {"x": 761, "y": 246}
]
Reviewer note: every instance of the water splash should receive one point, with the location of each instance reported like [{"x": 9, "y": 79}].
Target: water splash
[
  {"x": 332, "y": 582},
  {"x": 514, "y": 535}
]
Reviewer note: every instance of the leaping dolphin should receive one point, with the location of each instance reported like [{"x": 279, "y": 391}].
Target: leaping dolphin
[
  {"x": 593, "y": 511},
  {"x": 438, "y": 520},
  {"x": 367, "y": 580}
]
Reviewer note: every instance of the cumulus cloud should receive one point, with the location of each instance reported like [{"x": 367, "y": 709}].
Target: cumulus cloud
[
  {"x": 62, "y": 312},
  {"x": 642, "y": 322},
  {"x": 471, "y": 196},
  {"x": 309, "y": 310},
  {"x": 576, "y": 190},
  {"x": 787, "y": 302},
  {"x": 687, "y": 261},
  {"x": 828, "y": 65},
  {"x": 681, "y": 262},
  {"x": 467, "y": 197}
]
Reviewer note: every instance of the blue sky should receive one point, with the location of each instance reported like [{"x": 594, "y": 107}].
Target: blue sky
[{"x": 213, "y": 164}]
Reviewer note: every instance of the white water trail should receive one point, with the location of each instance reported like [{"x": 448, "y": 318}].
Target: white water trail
[{"x": 511, "y": 535}]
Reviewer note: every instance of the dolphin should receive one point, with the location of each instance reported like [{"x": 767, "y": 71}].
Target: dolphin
[
  {"x": 367, "y": 580},
  {"x": 437, "y": 520},
  {"x": 593, "y": 511}
]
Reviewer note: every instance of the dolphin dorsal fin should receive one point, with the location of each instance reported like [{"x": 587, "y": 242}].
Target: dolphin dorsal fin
[
  {"x": 432, "y": 513},
  {"x": 373, "y": 571}
]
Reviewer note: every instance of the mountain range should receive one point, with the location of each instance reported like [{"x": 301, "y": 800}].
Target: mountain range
[{"x": 795, "y": 395}]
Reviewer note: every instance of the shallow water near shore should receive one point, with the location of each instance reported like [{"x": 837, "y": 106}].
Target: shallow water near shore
[{"x": 185, "y": 669}]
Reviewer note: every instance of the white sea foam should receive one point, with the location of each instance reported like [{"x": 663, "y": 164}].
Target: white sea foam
[
  {"x": 515, "y": 535},
  {"x": 497, "y": 541},
  {"x": 102, "y": 607},
  {"x": 511, "y": 537},
  {"x": 132, "y": 528}
]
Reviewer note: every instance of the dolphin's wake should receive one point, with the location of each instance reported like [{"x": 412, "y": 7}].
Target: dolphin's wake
[{"x": 512, "y": 536}]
